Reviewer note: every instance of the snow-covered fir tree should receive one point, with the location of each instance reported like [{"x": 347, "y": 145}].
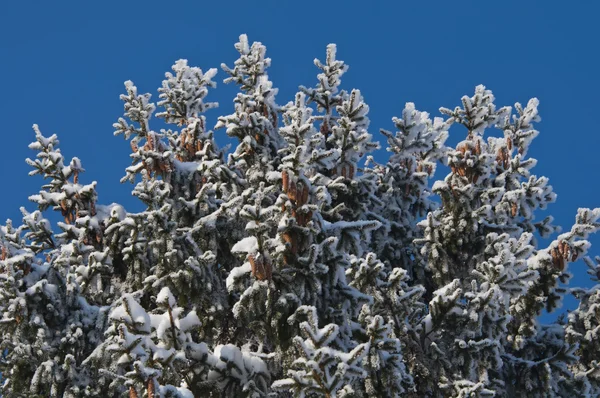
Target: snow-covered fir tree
[{"x": 299, "y": 264}]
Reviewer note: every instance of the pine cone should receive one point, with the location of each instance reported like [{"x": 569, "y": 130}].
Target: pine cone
[
  {"x": 252, "y": 262},
  {"x": 285, "y": 180},
  {"x": 287, "y": 237},
  {"x": 304, "y": 198},
  {"x": 557, "y": 259},
  {"x": 292, "y": 191},
  {"x": 513, "y": 209},
  {"x": 151, "y": 392},
  {"x": 132, "y": 392},
  {"x": 324, "y": 129},
  {"x": 500, "y": 156},
  {"x": 261, "y": 269}
]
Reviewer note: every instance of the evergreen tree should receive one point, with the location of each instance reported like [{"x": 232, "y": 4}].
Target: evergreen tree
[{"x": 300, "y": 264}]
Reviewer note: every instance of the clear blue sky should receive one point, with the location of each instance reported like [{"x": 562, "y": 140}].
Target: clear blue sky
[{"x": 63, "y": 65}]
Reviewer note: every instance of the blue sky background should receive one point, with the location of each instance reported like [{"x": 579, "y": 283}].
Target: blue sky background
[{"x": 63, "y": 65}]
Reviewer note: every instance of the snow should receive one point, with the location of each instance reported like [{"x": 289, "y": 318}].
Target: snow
[
  {"x": 247, "y": 245},
  {"x": 165, "y": 297},
  {"x": 186, "y": 167},
  {"x": 135, "y": 316},
  {"x": 190, "y": 321},
  {"x": 237, "y": 273}
]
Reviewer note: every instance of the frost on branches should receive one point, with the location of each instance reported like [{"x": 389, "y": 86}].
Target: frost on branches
[{"x": 298, "y": 265}]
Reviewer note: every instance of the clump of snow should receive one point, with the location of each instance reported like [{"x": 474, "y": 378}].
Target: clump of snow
[
  {"x": 165, "y": 297},
  {"x": 247, "y": 245}
]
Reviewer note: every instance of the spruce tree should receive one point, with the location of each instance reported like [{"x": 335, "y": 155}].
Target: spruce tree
[{"x": 301, "y": 264}]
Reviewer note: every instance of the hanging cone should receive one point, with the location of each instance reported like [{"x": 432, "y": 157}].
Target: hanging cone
[
  {"x": 557, "y": 259},
  {"x": 150, "y": 143},
  {"x": 300, "y": 218},
  {"x": 304, "y": 195},
  {"x": 291, "y": 239},
  {"x": 499, "y": 156},
  {"x": 268, "y": 271},
  {"x": 151, "y": 388},
  {"x": 324, "y": 129},
  {"x": 292, "y": 191},
  {"x": 132, "y": 392},
  {"x": 261, "y": 269},
  {"x": 565, "y": 250},
  {"x": 287, "y": 237},
  {"x": 252, "y": 262},
  {"x": 285, "y": 180}
]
